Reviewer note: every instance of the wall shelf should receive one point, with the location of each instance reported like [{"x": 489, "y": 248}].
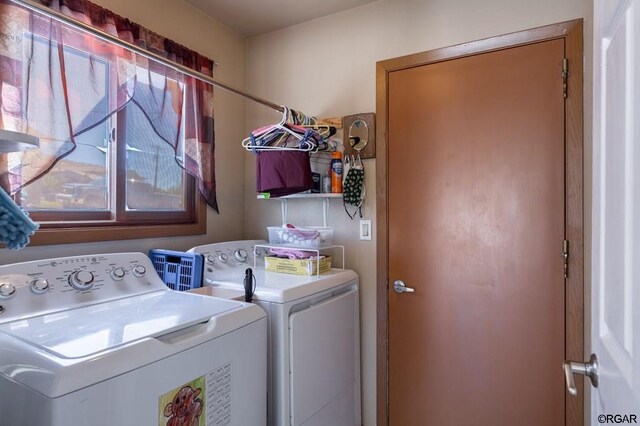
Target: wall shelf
[
  {"x": 314, "y": 195},
  {"x": 322, "y": 196}
]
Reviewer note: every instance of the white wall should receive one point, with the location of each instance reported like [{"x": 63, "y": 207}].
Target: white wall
[
  {"x": 179, "y": 21},
  {"x": 326, "y": 68}
]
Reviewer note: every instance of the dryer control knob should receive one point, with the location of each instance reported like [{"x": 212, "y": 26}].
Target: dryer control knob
[
  {"x": 223, "y": 258},
  {"x": 139, "y": 270},
  {"x": 39, "y": 286},
  {"x": 7, "y": 290},
  {"x": 211, "y": 259},
  {"x": 240, "y": 255},
  {"x": 81, "y": 280},
  {"x": 117, "y": 273}
]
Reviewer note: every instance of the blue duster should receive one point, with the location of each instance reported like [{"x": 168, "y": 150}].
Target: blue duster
[{"x": 15, "y": 224}]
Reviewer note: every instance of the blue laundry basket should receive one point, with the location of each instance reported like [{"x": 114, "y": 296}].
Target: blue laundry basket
[{"x": 178, "y": 270}]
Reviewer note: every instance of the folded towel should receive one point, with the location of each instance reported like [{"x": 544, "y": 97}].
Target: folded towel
[
  {"x": 292, "y": 253},
  {"x": 283, "y": 173},
  {"x": 15, "y": 224}
]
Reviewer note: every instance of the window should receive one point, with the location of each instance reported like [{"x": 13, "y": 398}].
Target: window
[{"x": 122, "y": 172}]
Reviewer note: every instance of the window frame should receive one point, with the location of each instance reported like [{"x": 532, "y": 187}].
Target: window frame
[
  {"x": 124, "y": 216},
  {"x": 116, "y": 222}
]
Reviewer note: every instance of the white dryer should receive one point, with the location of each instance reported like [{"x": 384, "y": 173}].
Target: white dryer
[
  {"x": 314, "y": 343},
  {"x": 100, "y": 340}
]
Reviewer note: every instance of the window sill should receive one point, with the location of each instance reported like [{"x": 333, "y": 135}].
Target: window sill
[{"x": 89, "y": 234}]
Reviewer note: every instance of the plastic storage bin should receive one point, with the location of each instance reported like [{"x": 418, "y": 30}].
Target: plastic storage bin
[
  {"x": 311, "y": 236},
  {"x": 178, "y": 270}
]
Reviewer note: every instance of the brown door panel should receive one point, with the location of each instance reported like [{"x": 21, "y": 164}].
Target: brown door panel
[{"x": 476, "y": 220}]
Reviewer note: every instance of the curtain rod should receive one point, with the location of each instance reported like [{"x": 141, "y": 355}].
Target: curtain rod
[{"x": 34, "y": 6}]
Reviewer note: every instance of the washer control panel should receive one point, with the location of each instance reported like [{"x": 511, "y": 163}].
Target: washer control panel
[{"x": 44, "y": 286}]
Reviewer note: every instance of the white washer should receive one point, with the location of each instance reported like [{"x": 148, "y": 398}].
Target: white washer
[
  {"x": 101, "y": 340},
  {"x": 314, "y": 343}
]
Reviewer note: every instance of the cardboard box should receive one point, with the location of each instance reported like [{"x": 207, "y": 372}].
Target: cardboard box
[{"x": 297, "y": 266}]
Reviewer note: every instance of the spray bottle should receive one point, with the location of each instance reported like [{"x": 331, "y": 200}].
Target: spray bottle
[{"x": 335, "y": 171}]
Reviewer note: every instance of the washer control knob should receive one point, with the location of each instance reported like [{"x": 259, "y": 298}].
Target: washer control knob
[
  {"x": 139, "y": 270},
  {"x": 240, "y": 255},
  {"x": 39, "y": 286},
  {"x": 81, "y": 280},
  {"x": 117, "y": 273},
  {"x": 211, "y": 259},
  {"x": 7, "y": 290},
  {"x": 223, "y": 258}
]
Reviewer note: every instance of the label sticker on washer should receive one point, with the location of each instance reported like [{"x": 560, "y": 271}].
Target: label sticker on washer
[{"x": 204, "y": 401}]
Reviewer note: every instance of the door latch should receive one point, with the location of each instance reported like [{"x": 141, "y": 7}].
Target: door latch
[
  {"x": 589, "y": 369},
  {"x": 565, "y": 256},
  {"x": 399, "y": 287}
]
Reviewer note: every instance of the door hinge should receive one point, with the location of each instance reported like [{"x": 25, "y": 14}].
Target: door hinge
[
  {"x": 565, "y": 256},
  {"x": 565, "y": 75}
]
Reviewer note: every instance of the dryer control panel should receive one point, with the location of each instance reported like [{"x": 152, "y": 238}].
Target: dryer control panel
[
  {"x": 227, "y": 261},
  {"x": 44, "y": 286}
]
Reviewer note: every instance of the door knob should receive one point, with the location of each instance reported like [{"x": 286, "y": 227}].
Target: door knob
[
  {"x": 399, "y": 287},
  {"x": 589, "y": 369}
]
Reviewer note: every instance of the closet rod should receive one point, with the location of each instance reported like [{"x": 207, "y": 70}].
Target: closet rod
[{"x": 34, "y": 6}]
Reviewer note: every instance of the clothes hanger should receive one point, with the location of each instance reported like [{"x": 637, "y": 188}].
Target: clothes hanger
[
  {"x": 277, "y": 136},
  {"x": 279, "y": 140},
  {"x": 309, "y": 137},
  {"x": 265, "y": 130},
  {"x": 298, "y": 117},
  {"x": 268, "y": 136},
  {"x": 323, "y": 130},
  {"x": 309, "y": 122}
]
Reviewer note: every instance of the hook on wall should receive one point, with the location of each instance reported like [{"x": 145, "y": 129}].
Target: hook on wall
[{"x": 359, "y": 135}]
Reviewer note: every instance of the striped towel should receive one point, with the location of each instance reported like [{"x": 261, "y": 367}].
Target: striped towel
[{"x": 15, "y": 224}]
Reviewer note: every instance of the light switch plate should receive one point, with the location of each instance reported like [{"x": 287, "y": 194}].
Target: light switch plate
[{"x": 365, "y": 229}]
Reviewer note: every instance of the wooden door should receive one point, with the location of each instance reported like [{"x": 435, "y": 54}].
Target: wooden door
[
  {"x": 476, "y": 223},
  {"x": 615, "y": 327}
]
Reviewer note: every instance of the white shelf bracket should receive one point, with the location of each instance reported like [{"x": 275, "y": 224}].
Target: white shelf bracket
[
  {"x": 325, "y": 212},
  {"x": 284, "y": 205}
]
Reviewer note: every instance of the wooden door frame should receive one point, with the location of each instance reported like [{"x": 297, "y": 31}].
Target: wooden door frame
[{"x": 572, "y": 33}]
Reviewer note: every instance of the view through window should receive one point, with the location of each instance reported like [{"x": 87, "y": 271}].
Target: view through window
[{"x": 122, "y": 169}]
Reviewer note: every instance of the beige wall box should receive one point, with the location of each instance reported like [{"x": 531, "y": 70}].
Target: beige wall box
[
  {"x": 297, "y": 266},
  {"x": 359, "y": 135}
]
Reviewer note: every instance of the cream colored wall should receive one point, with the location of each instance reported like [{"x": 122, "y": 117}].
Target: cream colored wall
[
  {"x": 326, "y": 67},
  {"x": 179, "y": 21}
]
